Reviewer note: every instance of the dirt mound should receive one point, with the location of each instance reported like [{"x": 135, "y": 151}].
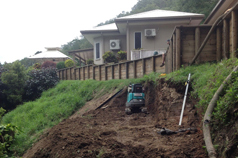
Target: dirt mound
[{"x": 108, "y": 132}]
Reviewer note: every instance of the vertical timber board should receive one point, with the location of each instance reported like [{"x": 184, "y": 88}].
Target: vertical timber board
[
  {"x": 134, "y": 69},
  {"x": 112, "y": 69},
  {"x": 219, "y": 44},
  {"x": 139, "y": 68},
  {"x": 127, "y": 68},
  {"x": 153, "y": 64},
  {"x": 225, "y": 39},
  {"x": 169, "y": 54},
  {"x": 233, "y": 33},
  {"x": 74, "y": 77},
  {"x": 130, "y": 70},
  {"x": 76, "y": 74},
  {"x": 116, "y": 73},
  {"x": 93, "y": 72},
  {"x": 105, "y": 73},
  {"x": 119, "y": 71},
  {"x": 178, "y": 49},
  {"x": 174, "y": 52},
  {"x": 62, "y": 71},
  {"x": 79, "y": 75},
  {"x": 158, "y": 61},
  {"x": 123, "y": 71},
  {"x": 143, "y": 66},
  {"x": 99, "y": 73},
  {"x": 109, "y": 72},
  {"x": 148, "y": 66},
  {"x": 84, "y": 73},
  {"x": 88, "y": 69},
  {"x": 197, "y": 43}
]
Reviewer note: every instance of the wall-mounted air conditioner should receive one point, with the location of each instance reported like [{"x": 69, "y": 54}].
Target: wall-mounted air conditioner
[
  {"x": 115, "y": 44},
  {"x": 150, "y": 32}
]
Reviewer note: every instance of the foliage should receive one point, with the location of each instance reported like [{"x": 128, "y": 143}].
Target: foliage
[
  {"x": 48, "y": 64},
  {"x": 7, "y": 133},
  {"x": 76, "y": 44},
  {"x": 109, "y": 57},
  {"x": 69, "y": 63},
  {"x": 90, "y": 61},
  {"x": 14, "y": 81},
  {"x": 122, "y": 55},
  {"x": 37, "y": 66},
  {"x": 27, "y": 62},
  {"x": 60, "y": 65},
  {"x": 39, "y": 81}
]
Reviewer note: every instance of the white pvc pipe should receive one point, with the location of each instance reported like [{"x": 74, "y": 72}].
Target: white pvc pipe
[{"x": 184, "y": 100}]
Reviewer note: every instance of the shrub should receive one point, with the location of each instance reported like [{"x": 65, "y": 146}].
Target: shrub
[
  {"x": 122, "y": 55},
  {"x": 48, "y": 64},
  {"x": 60, "y": 65},
  {"x": 69, "y": 63},
  {"x": 109, "y": 57},
  {"x": 90, "y": 61},
  {"x": 39, "y": 81},
  {"x": 37, "y": 66}
]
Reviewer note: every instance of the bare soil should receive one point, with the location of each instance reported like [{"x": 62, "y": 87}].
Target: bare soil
[{"x": 108, "y": 132}]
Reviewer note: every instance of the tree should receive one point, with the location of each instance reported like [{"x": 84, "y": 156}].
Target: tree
[{"x": 14, "y": 80}]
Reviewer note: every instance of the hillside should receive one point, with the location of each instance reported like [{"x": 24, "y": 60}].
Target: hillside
[{"x": 108, "y": 131}]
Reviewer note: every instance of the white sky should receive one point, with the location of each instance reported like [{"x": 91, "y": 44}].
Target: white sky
[{"x": 28, "y": 26}]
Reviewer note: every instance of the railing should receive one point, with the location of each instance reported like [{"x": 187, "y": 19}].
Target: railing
[{"x": 129, "y": 69}]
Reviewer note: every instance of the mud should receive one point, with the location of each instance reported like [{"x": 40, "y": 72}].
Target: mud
[{"x": 108, "y": 132}]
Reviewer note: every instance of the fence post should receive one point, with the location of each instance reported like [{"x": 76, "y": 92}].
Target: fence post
[
  {"x": 105, "y": 73},
  {"x": 233, "y": 33},
  {"x": 197, "y": 43},
  {"x": 127, "y": 76},
  {"x": 119, "y": 71},
  {"x": 99, "y": 72},
  {"x": 225, "y": 39},
  {"x": 93, "y": 72},
  {"x": 178, "y": 53},
  {"x": 134, "y": 69}
]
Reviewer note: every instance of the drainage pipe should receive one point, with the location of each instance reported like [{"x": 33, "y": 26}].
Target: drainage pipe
[
  {"x": 184, "y": 100},
  {"x": 207, "y": 117}
]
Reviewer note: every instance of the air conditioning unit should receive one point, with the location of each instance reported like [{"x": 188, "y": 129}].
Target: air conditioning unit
[
  {"x": 114, "y": 44},
  {"x": 150, "y": 32}
]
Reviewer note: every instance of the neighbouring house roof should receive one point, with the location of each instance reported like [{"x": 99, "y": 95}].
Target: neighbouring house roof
[
  {"x": 146, "y": 18},
  {"x": 49, "y": 54}
]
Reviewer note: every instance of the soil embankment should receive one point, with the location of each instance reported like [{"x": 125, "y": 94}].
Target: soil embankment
[{"x": 108, "y": 132}]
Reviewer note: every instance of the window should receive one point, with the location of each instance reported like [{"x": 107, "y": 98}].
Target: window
[
  {"x": 97, "y": 50},
  {"x": 137, "y": 40}
]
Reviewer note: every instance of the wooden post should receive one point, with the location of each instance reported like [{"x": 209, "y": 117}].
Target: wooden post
[
  {"x": 88, "y": 69},
  {"x": 62, "y": 71},
  {"x": 153, "y": 63},
  {"x": 93, "y": 72},
  {"x": 169, "y": 54},
  {"x": 79, "y": 73},
  {"x": 112, "y": 71},
  {"x": 74, "y": 73},
  {"x": 233, "y": 33},
  {"x": 143, "y": 66},
  {"x": 105, "y": 73},
  {"x": 119, "y": 71},
  {"x": 174, "y": 52},
  {"x": 219, "y": 44},
  {"x": 225, "y": 39},
  {"x": 178, "y": 49},
  {"x": 197, "y": 43},
  {"x": 134, "y": 69},
  {"x": 127, "y": 76},
  {"x": 99, "y": 72},
  {"x": 83, "y": 73},
  {"x": 66, "y": 73}
]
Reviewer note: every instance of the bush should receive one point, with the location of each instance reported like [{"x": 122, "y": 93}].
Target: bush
[
  {"x": 109, "y": 57},
  {"x": 69, "y": 63},
  {"x": 122, "y": 55},
  {"x": 90, "y": 61},
  {"x": 60, "y": 65},
  {"x": 39, "y": 81},
  {"x": 14, "y": 81},
  {"x": 48, "y": 64}
]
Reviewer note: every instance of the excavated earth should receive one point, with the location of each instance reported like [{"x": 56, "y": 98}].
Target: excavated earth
[{"x": 108, "y": 132}]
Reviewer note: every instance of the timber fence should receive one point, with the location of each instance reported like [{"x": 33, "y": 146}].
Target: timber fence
[{"x": 129, "y": 69}]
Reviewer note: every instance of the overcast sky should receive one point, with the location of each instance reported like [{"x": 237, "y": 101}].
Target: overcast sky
[{"x": 28, "y": 26}]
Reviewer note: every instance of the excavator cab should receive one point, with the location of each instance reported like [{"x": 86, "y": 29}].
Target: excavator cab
[{"x": 135, "y": 98}]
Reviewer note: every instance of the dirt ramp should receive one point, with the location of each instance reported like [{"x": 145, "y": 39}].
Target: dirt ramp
[{"x": 108, "y": 132}]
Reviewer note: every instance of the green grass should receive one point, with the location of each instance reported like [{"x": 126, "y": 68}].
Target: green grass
[{"x": 55, "y": 105}]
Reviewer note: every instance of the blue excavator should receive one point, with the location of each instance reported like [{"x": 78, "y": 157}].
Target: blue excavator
[{"x": 135, "y": 98}]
